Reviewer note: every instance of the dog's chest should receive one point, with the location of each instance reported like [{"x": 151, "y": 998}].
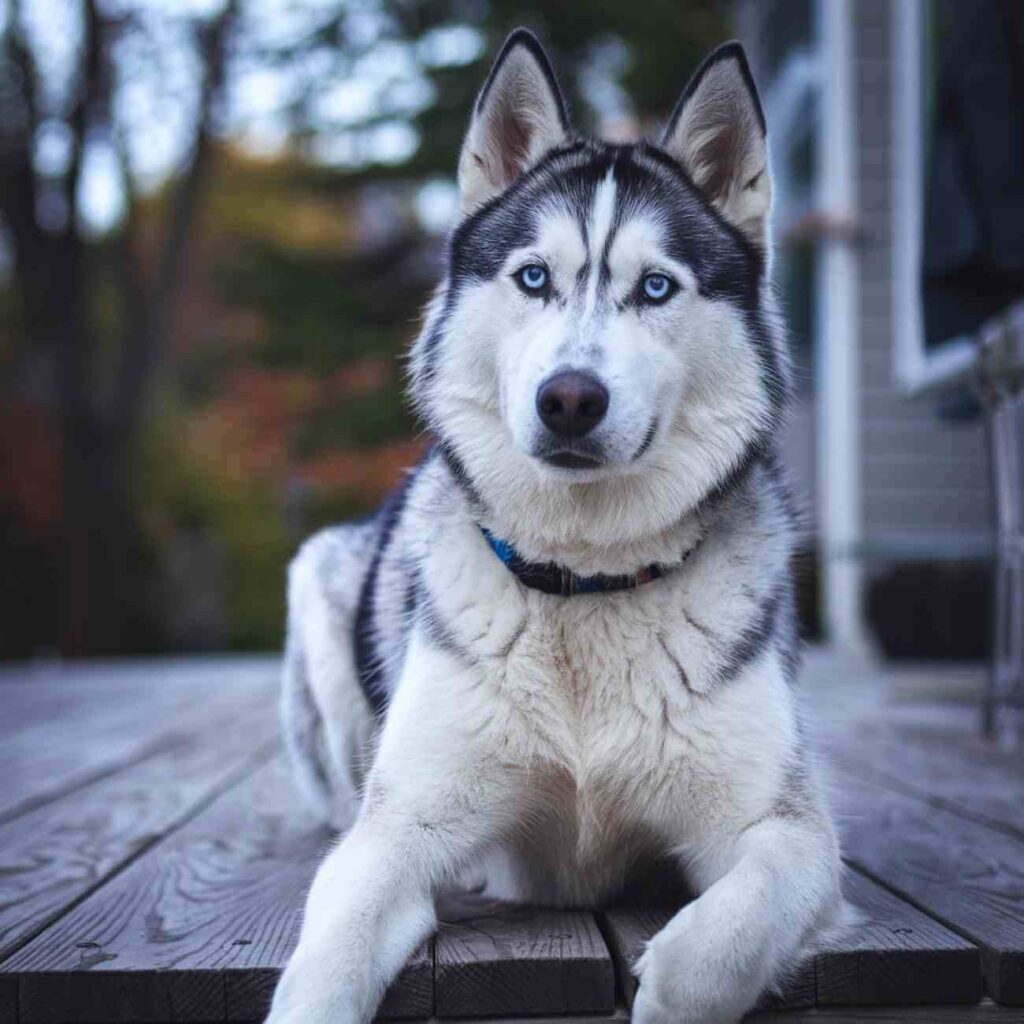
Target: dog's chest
[
  {"x": 591, "y": 698},
  {"x": 600, "y": 702}
]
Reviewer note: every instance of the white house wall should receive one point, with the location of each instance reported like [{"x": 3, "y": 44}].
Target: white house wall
[{"x": 923, "y": 481}]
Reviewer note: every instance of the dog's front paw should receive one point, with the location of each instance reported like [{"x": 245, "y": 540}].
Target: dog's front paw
[
  {"x": 678, "y": 987},
  {"x": 309, "y": 992},
  {"x": 647, "y": 1008}
]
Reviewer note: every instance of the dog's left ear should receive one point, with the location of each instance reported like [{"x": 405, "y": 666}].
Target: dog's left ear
[
  {"x": 519, "y": 115},
  {"x": 717, "y": 132}
]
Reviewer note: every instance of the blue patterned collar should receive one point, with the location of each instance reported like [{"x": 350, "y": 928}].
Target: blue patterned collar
[{"x": 556, "y": 579}]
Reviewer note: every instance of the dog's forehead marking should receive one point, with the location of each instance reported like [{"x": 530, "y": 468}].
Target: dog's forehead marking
[{"x": 598, "y": 232}]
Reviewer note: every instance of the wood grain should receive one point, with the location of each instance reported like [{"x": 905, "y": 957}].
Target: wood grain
[
  {"x": 93, "y": 728},
  {"x": 986, "y": 1013},
  {"x": 967, "y": 876},
  {"x": 913, "y": 757},
  {"x": 523, "y": 961},
  {"x": 620, "y": 1013},
  {"x": 198, "y": 928},
  {"x": 37, "y": 693},
  {"x": 55, "y": 855},
  {"x": 895, "y": 955}
]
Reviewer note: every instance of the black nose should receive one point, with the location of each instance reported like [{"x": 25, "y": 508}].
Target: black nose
[{"x": 571, "y": 403}]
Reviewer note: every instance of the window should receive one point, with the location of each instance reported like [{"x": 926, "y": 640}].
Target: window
[{"x": 957, "y": 181}]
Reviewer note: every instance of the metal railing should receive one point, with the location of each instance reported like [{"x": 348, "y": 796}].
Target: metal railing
[{"x": 1000, "y": 383}]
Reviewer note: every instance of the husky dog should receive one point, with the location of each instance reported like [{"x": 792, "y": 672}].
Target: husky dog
[{"x": 567, "y": 646}]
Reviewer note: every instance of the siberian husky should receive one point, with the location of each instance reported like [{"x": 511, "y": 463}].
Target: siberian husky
[{"x": 567, "y": 645}]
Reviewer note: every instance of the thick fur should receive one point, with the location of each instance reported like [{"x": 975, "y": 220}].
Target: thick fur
[{"x": 458, "y": 724}]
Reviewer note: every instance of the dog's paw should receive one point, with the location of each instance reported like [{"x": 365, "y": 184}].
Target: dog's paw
[
  {"x": 309, "y": 993},
  {"x": 674, "y": 990},
  {"x": 648, "y": 1010}
]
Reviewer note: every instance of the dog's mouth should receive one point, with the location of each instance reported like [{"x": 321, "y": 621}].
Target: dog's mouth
[{"x": 572, "y": 460}]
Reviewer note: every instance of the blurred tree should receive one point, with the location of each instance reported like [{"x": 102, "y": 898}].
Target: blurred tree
[
  {"x": 59, "y": 106},
  {"x": 386, "y": 88}
]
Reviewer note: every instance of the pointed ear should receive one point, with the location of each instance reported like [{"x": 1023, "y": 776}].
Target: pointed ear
[
  {"x": 519, "y": 115},
  {"x": 717, "y": 132}
]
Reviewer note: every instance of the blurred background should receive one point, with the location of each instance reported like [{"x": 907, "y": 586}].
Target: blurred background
[{"x": 219, "y": 222}]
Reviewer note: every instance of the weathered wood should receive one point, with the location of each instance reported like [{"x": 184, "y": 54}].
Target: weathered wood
[
  {"x": 986, "y": 1013},
  {"x": 628, "y": 932},
  {"x": 93, "y": 733},
  {"x": 55, "y": 855},
  {"x": 523, "y": 961},
  {"x": 8, "y": 1000},
  {"x": 198, "y": 928},
  {"x": 39, "y": 695},
  {"x": 620, "y": 1013},
  {"x": 895, "y": 955},
  {"x": 248, "y": 991},
  {"x": 913, "y": 757},
  {"x": 35, "y": 693},
  {"x": 967, "y": 876}
]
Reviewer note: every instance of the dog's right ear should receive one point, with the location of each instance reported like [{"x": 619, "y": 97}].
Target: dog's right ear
[
  {"x": 519, "y": 115},
  {"x": 717, "y": 132}
]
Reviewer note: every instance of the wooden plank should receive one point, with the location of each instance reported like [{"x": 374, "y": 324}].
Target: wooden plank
[
  {"x": 94, "y": 733},
  {"x": 620, "y": 1013},
  {"x": 48, "y": 761},
  {"x": 42, "y": 693},
  {"x": 629, "y": 931},
  {"x": 916, "y": 758},
  {"x": 8, "y": 1000},
  {"x": 249, "y": 990},
  {"x": 52, "y": 857},
  {"x": 967, "y": 876},
  {"x": 895, "y": 955},
  {"x": 47, "y": 695},
  {"x": 522, "y": 961},
  {"x": 198, "y": 928},
  {"x": 986, "y": 1013}
]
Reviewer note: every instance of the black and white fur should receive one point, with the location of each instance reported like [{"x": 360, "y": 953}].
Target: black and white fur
[{"x": 544, "y": 745}]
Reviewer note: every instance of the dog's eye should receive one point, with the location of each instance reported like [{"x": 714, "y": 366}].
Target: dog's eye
[
  {"x": 533, "y": 278},
  {"x": 657, "y": 287}
]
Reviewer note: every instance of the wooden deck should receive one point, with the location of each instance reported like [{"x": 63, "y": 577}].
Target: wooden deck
[{"x": 154, "y": 855}]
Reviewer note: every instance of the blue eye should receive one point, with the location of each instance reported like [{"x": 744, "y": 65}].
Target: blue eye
[
  {"x": 657, "y": 287},
  {"x": 533, "y": 277}
]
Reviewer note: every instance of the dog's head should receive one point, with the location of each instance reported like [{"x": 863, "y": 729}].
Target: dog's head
[{"x": 605, "y": 316}]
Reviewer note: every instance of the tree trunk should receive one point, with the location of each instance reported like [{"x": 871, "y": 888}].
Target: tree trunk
[{"x": 101, "y": 600}]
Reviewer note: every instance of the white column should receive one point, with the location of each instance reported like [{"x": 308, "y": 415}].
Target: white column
[{"x": 837, "y": 334}]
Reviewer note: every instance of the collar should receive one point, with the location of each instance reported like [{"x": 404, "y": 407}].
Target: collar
[{"x": 556, "y": 579}]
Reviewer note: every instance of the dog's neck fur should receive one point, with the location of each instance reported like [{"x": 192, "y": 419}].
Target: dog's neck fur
[{"x": 614, "y": 526}]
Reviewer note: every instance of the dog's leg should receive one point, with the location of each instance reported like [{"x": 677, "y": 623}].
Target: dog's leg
[
  {"x": 435, "y": 797},
  {"x": 764, "y": 895}
]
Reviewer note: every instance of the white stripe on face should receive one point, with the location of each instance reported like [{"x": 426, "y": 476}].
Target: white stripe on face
[{"x": 602, "y": 215}]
